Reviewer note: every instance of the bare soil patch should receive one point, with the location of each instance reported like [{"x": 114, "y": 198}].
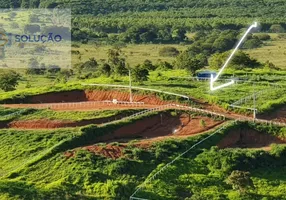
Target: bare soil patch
[
  {"x": 245, "y": 137},
  {"x": 161, "y": 125},
  {"x": 95, "y": 95},
  {"x": 109, "y": 151},
  {"x": 148, "y": 131}
]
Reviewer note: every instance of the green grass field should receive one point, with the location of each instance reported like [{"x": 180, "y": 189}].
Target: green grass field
[
  {"x": 134, "y": 53},
  {"x": 273, "y": 51}
]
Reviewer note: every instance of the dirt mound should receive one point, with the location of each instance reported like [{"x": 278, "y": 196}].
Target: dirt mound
[
  {"x": 50, "y": 124},
  {"x": 151, "y": 129},
  {"x": 278, "y": 115},
  {"x": 161, "y": 125},
  {"x": 245, "y": 137},
  {"x": 109, "y": 151},
  {"x": 122, "y": 96}
]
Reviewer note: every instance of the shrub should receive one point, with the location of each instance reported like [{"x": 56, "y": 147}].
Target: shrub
[
  {"x": 168, "y": 52},
  {"x": 263, "y": 37},
  {"x": 202, "y": 123}
]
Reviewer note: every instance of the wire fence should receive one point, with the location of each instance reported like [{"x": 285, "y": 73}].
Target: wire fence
[
  {"x": 85, "y": 104},
  {"x": 262, "y": 121},
  {"x": 244, "y": 100},
  {"x": 166, "y": 107}
]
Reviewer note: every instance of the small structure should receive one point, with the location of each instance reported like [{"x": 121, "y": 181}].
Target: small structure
[
  {"x": 205, "y": 75},
  {"x": 114, "y": 101}
]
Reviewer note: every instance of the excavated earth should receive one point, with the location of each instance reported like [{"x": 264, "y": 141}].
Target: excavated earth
[
  {"x": 88, "y": 95},
  {"x": 149, "y": 130},
  {"x": 161, "y": 125},
  {"x": 245, "y": 137},
  {"x": 86, "y": 100}
]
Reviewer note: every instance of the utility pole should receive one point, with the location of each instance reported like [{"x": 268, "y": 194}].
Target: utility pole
[
  {"x": 254, "y": 107},
  {"x": 254, "y": 103},
  {"x": 130, "y": 86}
]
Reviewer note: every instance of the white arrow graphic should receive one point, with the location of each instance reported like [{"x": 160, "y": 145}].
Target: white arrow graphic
[{"x": 213, "y": 79}]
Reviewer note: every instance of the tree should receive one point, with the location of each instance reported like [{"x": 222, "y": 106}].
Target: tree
[
  {"x": 168, "y": 52},
  {"x": 64, "y": 75},
  {"x": 147, "y": 37},
  {"x": 34, "y": 3},
  {"x": 243, "y": 60},
  {"x": 106, "y": 69},
  {"x": 179, "y": 34},
  {"x": 139, "y": 73},
  {"x": 91, "y": 64},
  {"x": 263, "y": 37},
  {"x": 191, "y": 63},
  {"x": 163, "y": 65},
  {"x": 149, "y": 65},
  {"x": 240, "y": 181},
  {"x": 117, "y": 62},
  {"x": 79, "y": 35},
  {"x": 276, "y": 28},
  {"x": 164, "y": 35},
  {"x": 25, "y": 4},
  {"x": 9, "y": 80},
  {"x": 252, "y": 43},
  {"x": 240, "y": 60},
  {"x": 217, "y": 60},
  {"x": 223, "y": 44}
]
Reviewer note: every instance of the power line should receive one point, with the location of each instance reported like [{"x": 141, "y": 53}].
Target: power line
[{"x": 132, "y": 197}]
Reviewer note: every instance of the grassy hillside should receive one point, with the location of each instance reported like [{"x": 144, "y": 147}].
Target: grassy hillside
[
  {"x": 89, "y": 176},
  {"x": 177, "y": 81},
  {"x": 274, "y": 51}
]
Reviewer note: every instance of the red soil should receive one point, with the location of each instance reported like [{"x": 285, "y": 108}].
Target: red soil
[
  {"x": 109, "y": 151},
  {"x": 45, "y": 100},
  {"x": 95, "y": 95},
  {"x": 248, "y": 138},
  {"x": 149, "y": 130},
  {"x": 153, "y": 128},
  {"x": 122, "y": 96}
]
